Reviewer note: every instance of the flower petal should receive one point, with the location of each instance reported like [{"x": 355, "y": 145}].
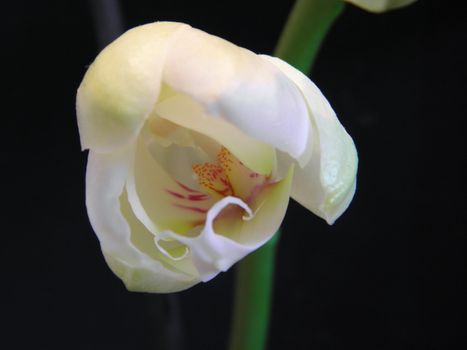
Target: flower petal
[
  {"x": 236, "y": 85},
  {"x": 269, "y": 208},
  {"x": 118, "y": 234},
  {"x": 326, "y": 184},
  {"x": 121, "y": 86},
  {"x": 225, "y": 239},
  {"x": 380, "y": 5},
  {"x": 182, "y": 110},
  {"x": 158, "y": 200},
  {"x": 213, "y": 253},
  {"x": 171, "y": 256},
  {"x": 243, "y": 181}
]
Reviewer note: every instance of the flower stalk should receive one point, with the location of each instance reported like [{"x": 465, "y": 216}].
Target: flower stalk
[
  {"x": 253, "y": 293},
  {"x": 299, "y": 43},
  {"x": 307, "y": 25}
]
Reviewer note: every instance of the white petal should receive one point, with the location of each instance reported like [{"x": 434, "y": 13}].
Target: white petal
[
  {"x": 238, "y": 86},
  {"x": 122, "y": 85},
  {"x": 327, "y": 183},
  {"x": 105, "y": 179},
  {"x": 380, "y": 5}
]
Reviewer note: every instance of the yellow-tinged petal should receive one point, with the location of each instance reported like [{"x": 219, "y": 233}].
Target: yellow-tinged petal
[
  {"x": 121, "y": 86},
  {"x": 233, "y": 229},
  {"x": 182, "y": 110},
  {"x": 380, "y": 5},
  {"x": 244, "y": 181},
  {"x": 158, "y": 200},
  {"x": 144, "y": 241},
  {"x": 268, "y": 207}
]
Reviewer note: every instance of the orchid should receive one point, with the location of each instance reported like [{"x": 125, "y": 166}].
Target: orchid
[
  {"x": 380, "y": 5},
  {"x": 195, "y": 146}
]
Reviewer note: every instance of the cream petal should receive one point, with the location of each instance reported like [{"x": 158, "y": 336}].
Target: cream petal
[
  {"x": 182, "y": 110},
  {"x": 144, "y": 241},
  {"x": 243, "y": 182},
  {"x": 237, "y": 86},
  {"x": 269, "y": 208},
  {"x": 177, "y": 161},
  {"x": 158, "y": 200},
  {"x": 214, "y": 251},
  {"x": 172, "y": 249},
  {"x": 121, "y": 86},
  {"x": 326, "y": 184},
  {"x": 380, "y": 5},
  {"x": 105, "y": 178}
]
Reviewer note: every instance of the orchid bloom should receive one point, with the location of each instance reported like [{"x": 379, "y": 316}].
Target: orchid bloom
[
  {"x": 380, "y": 5},
  {"x": 195, "y": 146}
]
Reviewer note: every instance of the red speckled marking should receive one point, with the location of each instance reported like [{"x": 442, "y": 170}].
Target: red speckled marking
[
  {"x": 219, "y": 178},
  {"x": 213, "y": 178}
]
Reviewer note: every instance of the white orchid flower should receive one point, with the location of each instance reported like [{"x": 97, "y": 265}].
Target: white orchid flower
[
  {"x": 380, "y": 5},
  {"x": 195, "y": 146}
]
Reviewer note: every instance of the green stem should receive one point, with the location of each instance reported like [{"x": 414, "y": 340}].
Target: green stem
[
  {"x": 299, "y": 43},
  {"x": 306, "y": 27},
  {"x": 253, "y": 289}
]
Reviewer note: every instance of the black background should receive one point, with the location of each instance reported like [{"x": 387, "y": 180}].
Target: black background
[{"x": 388, "y": 275}]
